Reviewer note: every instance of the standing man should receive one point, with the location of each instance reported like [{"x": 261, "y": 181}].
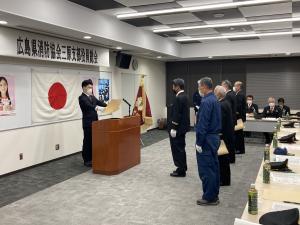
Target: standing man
[
  {"x": 89, "y": 105},
  {"x": 240, "y": 114},
  {"x": 207, "y": 143},
  {"x": 227, "y": 134},
  {"x": 231, "y": 98},
  {"x": 179, "y": 125}
]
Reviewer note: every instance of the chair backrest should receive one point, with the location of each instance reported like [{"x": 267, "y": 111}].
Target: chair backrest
[{"x": 243, "y": 222}]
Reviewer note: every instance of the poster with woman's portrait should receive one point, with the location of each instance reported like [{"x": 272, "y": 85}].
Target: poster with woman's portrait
[{"x": 7, "y": 95}]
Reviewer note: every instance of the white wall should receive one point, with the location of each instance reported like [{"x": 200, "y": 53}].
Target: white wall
[{"x": 38, "y": 143}]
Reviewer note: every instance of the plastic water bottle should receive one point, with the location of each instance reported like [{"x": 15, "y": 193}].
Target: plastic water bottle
[
  {"x": 252, "y": 200},
  {"x": 266, "y": 172},
  {"x": 275, "y": 140},
  {"x": 267, "y": 152}
]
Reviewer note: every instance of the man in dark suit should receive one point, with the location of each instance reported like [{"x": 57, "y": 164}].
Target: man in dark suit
[
  {"x": 227, "y": 134},
  {"x": 89, "y": 105},
  {"x": 271, "y": 111},
  {"x": 179, "y": 125},
  {"x": 285, "y": 109},
  {"x": 240, "y": 114},
  {"x": 251, "y": 108},
  {"x": 231, "y": 98},
  {"x": 196, "y": 101}
]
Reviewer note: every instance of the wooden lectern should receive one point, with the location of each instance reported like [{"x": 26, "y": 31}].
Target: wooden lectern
[{"x": 116, "y": 145}]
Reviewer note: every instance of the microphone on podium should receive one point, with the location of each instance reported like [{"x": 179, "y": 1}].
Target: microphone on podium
[{"x": 129, "y": 105}]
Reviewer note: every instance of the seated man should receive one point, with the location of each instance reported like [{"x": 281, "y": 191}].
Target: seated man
[
  {"x": 285, "y": 109},
  {"x": 271, "y": 111},
  {"x": 251, "y": 108}
]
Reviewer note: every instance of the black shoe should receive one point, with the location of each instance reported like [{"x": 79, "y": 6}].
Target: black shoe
[
  {"x": 88, "y": 164},
  {"x": 177, "y": 174},
  {"x": 204, "y": 202}
]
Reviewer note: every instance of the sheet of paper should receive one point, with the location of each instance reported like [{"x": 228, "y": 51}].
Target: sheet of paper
[
  {"x": 112, "y": 106},
  {"x": 294, "y": 147},
  {"x": 293, "y": 160},
  {"x": 278, "y": 206},
  {"x": 280, "y": 194},
  {"x": 285, "y": 178},
  {"x": 243, "y": 222}
]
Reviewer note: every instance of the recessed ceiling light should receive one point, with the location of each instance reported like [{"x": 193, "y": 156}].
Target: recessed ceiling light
[
  {"x": 87, "y": 37},
  {"x": 237, "y": 36},
  {"x": 159, "y": 57},
  {"x": 235, "y": 24},
  {"x": 232, "y": 28},
  {"x": 2, "y": 22},
  {"x": 288, "y": 53},
  {"x": 119, "y": 48},
  {"x": 210, "y": 57},
  {"x": 219, "y": 15},
  {"x": 198, "y": 8}
]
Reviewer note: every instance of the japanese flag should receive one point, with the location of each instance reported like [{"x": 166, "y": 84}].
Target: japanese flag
[{"x": 55, "y": 97}]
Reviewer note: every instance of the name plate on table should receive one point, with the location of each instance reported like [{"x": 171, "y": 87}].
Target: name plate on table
[
  {"x": 285, "y": 178},
  {"x": 243, "y": 222},
  {"x": 279, "y": 206},
  {"x": 293, "y": 160}
]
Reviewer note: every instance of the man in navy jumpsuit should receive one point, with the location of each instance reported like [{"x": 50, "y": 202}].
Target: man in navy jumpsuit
[{"x": 207, "y": 143}]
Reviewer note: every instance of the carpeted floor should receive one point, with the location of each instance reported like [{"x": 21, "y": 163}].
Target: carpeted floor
[
  {"x": 145, "y": 194},
  {"x": 19, "y": 185}
]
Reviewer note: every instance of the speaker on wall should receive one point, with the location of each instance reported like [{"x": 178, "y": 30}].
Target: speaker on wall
[{"x": 123, "y": 60}]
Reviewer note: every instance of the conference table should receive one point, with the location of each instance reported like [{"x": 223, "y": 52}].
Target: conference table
[
  {"x": 283, "y": 192},
  {"x": 260, "y": 125}
]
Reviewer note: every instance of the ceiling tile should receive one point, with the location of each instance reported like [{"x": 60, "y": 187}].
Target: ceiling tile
[
  {"x": 271, "y": 9},
  {"x": 142, "y": 22},
  {"x": 171, "y": 34},
  {"x": 272, "y": 26},
  {"x": 296, "y": 7},
  {"x": 187, "y": 24},
  {"x": 219, "y": 15},
  {"x": 270, "y": 17},
  {"x": 188, "y": 3},
  {"x": 243, "y": 39},
  {"x": 117, "y": 11},
  {"x": 234, "y": 29},
  {"x": 206, "y": 31},
  {"x": 144, "y": 8},
  {"x": 141, "y": 2},
  {"x": 98, "y": 5},
  {"x": 176, "y": 18}
]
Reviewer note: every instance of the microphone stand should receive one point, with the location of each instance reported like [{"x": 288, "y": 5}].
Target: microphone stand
[{"x": 129, "y": 105}]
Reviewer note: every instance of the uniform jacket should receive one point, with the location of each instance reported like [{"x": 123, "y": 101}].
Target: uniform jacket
[{"x": 276, "y": 113}]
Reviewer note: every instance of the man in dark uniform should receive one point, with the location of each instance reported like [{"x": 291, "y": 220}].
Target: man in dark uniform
[
  {"x": 251, "y": 108},
  {"x": 271, "y": 111},
  {"x": 196, "y": 101},
  {"x": 231, "y": 98},
  {"x": 240, "y": 114},
  {"x": 227, "y": 134},
  {"x": 208, "y": 128},
  {"x": 285, "y": 109},
  {"x": 179, "y": 125},
  {"x": 89, "y": 105}
]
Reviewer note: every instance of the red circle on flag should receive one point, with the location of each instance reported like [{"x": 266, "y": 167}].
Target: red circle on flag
[{"x": 57, "y": 96}]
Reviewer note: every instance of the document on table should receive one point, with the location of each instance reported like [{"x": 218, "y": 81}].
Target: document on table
[
  {"x": 285, "y": 178},
  {"x": 278, "y": 206},
  {"x": 243, "y": 222},
  {"x": 292, "y": 147},
  {"x": 293, "y": 160}
]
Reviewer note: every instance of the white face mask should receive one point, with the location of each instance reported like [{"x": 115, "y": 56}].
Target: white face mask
[
  {"x": 234, "y": 89},
  {"x": 201, "y": 94},
  {"x": 272, "y": 104},
  {"x": 89, "y": 91},
  {"x": 249, "y": 102}
]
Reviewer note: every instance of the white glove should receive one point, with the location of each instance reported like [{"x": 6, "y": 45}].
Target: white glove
[
  {"x": 198, "y": 148},
  {"x": 198, "y": 107},
  {"x": 173, "y": 133}
]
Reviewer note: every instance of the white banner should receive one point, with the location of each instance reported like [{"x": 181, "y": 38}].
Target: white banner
[
  {"x": 55, "y": 96},
  {"x": 17, "y": 43}
]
